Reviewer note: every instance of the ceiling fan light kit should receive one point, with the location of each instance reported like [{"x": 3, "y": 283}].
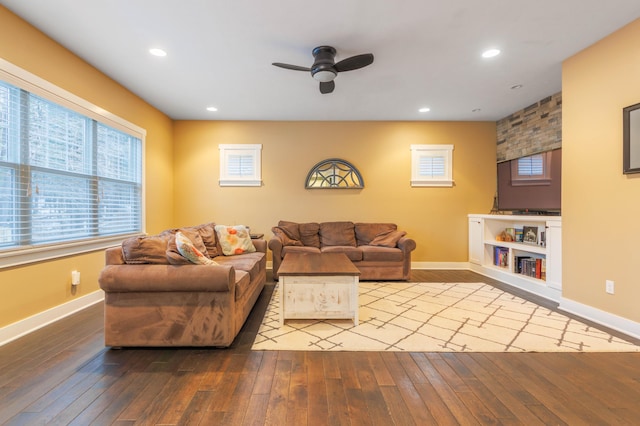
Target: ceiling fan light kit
[{"x": 325, "y": 69}]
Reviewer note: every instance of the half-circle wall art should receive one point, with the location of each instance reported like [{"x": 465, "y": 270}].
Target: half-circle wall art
[{"x": 334, "y": 173}]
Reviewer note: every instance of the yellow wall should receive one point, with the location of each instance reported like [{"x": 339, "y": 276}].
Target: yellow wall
[
  {"x": 28, "y": 290},
  {"x": 435, "y": 217},
  {"x": 600, "y": 205}
]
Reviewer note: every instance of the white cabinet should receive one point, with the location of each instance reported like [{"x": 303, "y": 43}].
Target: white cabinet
[
  {"x": 475, "y": 240},
  {"x": 532, "y": 262}
]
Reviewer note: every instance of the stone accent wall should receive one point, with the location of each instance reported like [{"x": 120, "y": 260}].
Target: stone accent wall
[{"x": 537, "y": 128}]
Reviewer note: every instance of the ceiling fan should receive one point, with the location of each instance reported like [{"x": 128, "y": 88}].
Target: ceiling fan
[{"x": 325, "y": 69}]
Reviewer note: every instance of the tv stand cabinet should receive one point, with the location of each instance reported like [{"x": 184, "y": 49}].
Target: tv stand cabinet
[{"x": 484, "y": 250}]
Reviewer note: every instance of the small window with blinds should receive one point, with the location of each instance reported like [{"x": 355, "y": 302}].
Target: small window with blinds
[
  {"x": 66, "y": 178},
  {"x": 431, "y": 165},
  {"x": 531, "y": 170},
  {"x": 240, "y": 165}
]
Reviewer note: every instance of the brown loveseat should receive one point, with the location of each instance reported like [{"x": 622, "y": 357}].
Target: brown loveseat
[
  {"x": 378, "y": 250},
  {"x": 156, "y": 297}
]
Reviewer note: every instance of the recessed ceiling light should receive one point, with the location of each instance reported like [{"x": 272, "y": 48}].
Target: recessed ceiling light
[
  {"x": 425, "y": 109},
  {"x": 516, "y": 87},
  {"x": 212, "y": 109},
  {"x": 157, "y": 52},
  {"x": 490, "y": 53}
]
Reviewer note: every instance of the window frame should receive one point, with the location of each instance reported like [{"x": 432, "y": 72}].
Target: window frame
[
  {"x": 25, "y": 254},
  {"x": 528, "y": 179},
  {"x": 418, "y": 152},
  {"x": 227, "y": 178}
]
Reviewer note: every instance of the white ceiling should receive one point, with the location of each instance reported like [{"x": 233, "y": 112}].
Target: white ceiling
[{"x": 427, "y": 53}]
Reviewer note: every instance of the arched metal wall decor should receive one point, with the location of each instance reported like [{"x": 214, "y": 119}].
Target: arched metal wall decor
[{"x": 334, "y": 173}]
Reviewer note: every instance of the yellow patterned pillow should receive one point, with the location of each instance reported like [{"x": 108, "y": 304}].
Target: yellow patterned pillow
[
  {"x": 190, "y": 252},
  {"x": 234, "y": 239}
]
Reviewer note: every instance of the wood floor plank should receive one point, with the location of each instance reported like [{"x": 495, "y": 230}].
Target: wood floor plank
[
  {"x": 503, "y": 389},
  {"x": 376, "y": 405},
  {"x": 358, "y": 410},
  {"x": 239, "y": 403},
  {"x": 298, "y": 385},
  {"x": 318, "y": 407},
  {"x": 444, "y": 389},
  {"x": 279, "y": 394}
]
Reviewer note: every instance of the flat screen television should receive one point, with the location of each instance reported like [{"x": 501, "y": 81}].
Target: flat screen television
[{"x": 534, "y": 194}]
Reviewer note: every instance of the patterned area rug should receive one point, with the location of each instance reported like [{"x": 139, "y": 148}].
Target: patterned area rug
[{"x": 438, "y": 317}]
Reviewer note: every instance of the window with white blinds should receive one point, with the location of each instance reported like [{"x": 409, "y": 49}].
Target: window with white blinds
[
  {"x": 240, "y": 164},
  {"x": 431, "y": 165},
  {"x": 65, "y": 177},
  {"x": 531, "y": 166},
  {"x": 532, "y": 170}
]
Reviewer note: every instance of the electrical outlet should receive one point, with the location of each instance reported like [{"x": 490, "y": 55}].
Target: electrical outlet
[
  {"x": 609, "y": 286},
  {"x": 75, "y": 278}
]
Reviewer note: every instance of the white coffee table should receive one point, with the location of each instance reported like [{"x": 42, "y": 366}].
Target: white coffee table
[{"x": 318, "y": 286}]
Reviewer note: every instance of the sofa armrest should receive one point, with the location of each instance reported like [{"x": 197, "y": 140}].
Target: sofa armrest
[
  {"x": 276, "y": 245},
  {"x": 407, "y": 245},
  {"x": 114, "y": 256},
  {"x": 167, "y": 278},
  {"x": 260, "y": 244}
]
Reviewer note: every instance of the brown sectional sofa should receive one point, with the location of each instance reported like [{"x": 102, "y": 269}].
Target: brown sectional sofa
[
  {"x": 155, "y": 297},
  {"x": 378, "y": 250}
]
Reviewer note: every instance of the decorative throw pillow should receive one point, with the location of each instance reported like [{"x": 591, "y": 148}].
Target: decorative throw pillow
[
  {"x": 388, "y": 238},
  {"x": 190, "y": 252},
  {"x": 234, "y": 239},
  {"x": 285, "y": 236}
]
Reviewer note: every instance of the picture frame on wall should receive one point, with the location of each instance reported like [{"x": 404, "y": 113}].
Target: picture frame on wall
[{"x": 631, "y": 139}]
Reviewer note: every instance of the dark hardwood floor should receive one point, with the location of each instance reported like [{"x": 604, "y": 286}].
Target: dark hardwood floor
[{"x": 63, "y": 374}]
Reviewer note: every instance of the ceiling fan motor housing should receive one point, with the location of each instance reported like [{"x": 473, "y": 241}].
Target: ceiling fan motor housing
[{"x": 322, "y": 69}]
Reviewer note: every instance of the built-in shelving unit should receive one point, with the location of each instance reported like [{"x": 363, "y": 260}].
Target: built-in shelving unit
[{"x": 534, "y": 266}]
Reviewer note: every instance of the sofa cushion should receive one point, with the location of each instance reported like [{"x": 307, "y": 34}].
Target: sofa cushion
[
  {"x": 291, "y": 228},
  {"x": 309, "y": 234},
  {"x": 208, "y": 234},
  {"x": 337, "y": 234},
  {"x": 353, "y": 253},
  {"x": 381, "y": 254},
  {"x": 285, "y": 236},
  {"x": 299, "y": 249},
  {"x": 366, "y": 232},
  {"x": 187, "y": 249},
  {"x": 234, "y": 239},
  {"x": 148, "y": 249},
  {"x": 388, "y": 239},
  {"x": 248, "y": 262},
  {"x": 173, "y": 255}
]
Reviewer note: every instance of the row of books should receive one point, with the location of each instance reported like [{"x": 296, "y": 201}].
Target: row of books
[{"x": 530, "y": 266}]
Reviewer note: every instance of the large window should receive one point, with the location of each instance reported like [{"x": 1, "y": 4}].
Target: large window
[{"x": 66, "y": 176}]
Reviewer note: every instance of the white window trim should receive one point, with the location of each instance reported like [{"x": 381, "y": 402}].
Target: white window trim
[
  {"x": 253, "y": 150},
  {"x": 22, "y": 78},
  {"x": 420, "y": 151},
  {"x": 530, "y": 180}
]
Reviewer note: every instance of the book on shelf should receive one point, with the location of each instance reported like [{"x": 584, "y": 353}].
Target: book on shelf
[{"x": 501, "y": 256}]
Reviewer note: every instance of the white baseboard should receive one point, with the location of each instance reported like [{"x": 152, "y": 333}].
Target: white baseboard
[
  {"x": 614, "y": 322},
  {"x": 439, "y": 265},
  {"x": 18, "y": 329}
]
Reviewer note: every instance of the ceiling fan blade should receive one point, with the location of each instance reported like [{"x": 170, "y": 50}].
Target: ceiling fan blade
[
  {"x": 291, "y": 67},
  {"x": 327, "y": 87},
  {"x": 354, "y": 62}
]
